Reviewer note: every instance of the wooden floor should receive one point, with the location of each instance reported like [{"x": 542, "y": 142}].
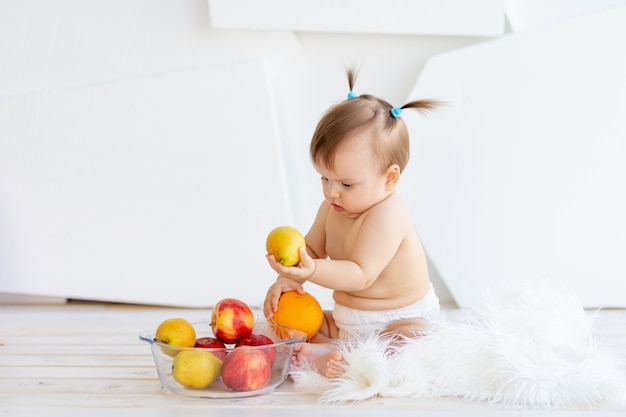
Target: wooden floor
[{"x": 85, "y": 359}]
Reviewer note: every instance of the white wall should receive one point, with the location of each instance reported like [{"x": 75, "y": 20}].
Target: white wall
[
  {"x": 521, "y": 176},
  {"x": 52, "y": 50},
  {"x": 69, "y": 232}
]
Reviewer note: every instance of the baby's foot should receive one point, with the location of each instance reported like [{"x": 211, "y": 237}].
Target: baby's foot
[
  {"x": 325, "y": 357},
  {"x": 331, "y": 364},
  {"x": 306, "y": 352}
]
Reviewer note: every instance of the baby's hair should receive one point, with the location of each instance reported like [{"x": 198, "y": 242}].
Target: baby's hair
[{"x": 359, "y": 113}]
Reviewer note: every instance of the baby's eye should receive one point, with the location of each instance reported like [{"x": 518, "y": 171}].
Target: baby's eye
[
  {"x": 324, "y": 179},
  {"x": 346, "y": 185}
]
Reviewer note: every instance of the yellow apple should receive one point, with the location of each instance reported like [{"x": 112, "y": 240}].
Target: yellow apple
[
  {"x": 284, "y": 242},
  {"x": 175, "y": 332},
  {"x": 195, "y": 368}
]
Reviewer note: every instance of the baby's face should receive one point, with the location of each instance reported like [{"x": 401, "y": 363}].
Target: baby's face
[{"x": 355, "y": 183}]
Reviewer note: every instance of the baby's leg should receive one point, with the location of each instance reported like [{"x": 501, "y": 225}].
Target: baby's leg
[
  {"x": 328, "y": 360},
  {"x": 328, "y": 328},
  {"x": 407, "y": 328}
]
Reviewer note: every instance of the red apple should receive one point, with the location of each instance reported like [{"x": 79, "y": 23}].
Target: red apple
[
  {"x": 231, "y": 320},
  {"x": 212, "y": 342},
  {"x": 246, "y": 369},
  {"x": 259, "y": 340}
]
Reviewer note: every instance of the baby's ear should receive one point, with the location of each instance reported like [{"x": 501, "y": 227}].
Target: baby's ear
[{"x": 392, "y": 175}]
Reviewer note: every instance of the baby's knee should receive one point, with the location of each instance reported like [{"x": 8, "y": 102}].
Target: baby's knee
[{"x": 415, "y": 327}]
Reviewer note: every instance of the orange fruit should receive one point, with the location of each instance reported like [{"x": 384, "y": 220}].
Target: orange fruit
[
  {"x": 284, "y": 242},
  {"x": 300, "y": 312}
]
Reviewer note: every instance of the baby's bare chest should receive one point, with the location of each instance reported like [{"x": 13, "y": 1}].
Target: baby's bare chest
[{"x": 341, "y": 236}]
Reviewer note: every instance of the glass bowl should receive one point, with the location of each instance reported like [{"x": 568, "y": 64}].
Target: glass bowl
[{"x": 280, "y": 352}]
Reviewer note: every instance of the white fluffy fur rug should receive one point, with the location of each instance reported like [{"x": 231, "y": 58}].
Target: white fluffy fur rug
[{"x": 524, "y": 347}]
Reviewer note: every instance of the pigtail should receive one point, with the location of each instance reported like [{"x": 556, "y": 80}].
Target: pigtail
[
  {"x": 423, "y": 106},
  {"x": 352, "y": 73}
]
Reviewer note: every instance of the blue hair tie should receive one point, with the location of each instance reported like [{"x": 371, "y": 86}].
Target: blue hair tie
[
  {"x": 396, "y": 112},
  {"x": 351, "y": 95}
]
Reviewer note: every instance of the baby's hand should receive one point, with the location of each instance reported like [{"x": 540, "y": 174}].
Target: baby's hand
[
  {"x": 274, "y": 292},
  {"x": 300, "y": 272}
]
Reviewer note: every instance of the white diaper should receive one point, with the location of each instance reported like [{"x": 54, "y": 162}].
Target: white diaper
[{"x": 354, "y": 323}]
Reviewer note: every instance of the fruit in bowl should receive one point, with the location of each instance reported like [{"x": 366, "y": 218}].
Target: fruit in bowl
[
  {"x": 246, "y": 369},
  {"x": 177, "y": 332},
  {"x": 258, "y": 340},
  {"x": 231, "y": 320},
  {"x": 247, "y": 372},
  {"x": 196, "y": 368},
  {"x": 212, "y": 342}
]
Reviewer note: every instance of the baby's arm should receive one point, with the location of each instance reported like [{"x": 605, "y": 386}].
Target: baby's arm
[
  {"x": 316, "y": 236},
  {"x": 380, "y": 235}
]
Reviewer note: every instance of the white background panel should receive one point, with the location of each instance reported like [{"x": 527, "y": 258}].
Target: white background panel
[
  {"x": 432, "y": 17},
  {"x": 529, "y": 14},
  {"x": 147, "y": 190},
  {"x": 51, "y": 44},
  {"x": 522, "y": 175},
  {"x": 91, "y": 46},
  {"x": 50, "y": 48}
]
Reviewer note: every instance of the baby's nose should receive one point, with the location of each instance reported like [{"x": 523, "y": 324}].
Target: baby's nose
[{"x": 332, "y": 191}]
